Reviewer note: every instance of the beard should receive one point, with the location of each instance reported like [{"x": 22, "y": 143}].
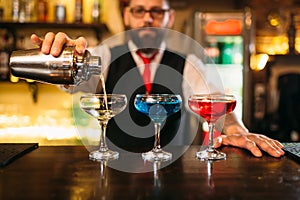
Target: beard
[{"x": 147, "y": 39}]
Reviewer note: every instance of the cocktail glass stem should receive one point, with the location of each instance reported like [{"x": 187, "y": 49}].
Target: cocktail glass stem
[
  {"x": 103, "y": 153},
  {"x": 157, "y": 154},
  {"x": 103, "y": 146},
  {"x": 211, "y": 129},
  {"x": 210, "y": 153},
  {"x": 157, "y": 147}
]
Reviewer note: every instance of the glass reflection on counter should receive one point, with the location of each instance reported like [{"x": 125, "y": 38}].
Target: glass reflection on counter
[
  {"x": 210, "y": 180},
  {"x": 156, "y": 177}
]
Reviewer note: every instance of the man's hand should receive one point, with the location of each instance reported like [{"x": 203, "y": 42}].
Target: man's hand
[
  {"x": 53, "y": 43},
  {"x": 255, "y": 143}
]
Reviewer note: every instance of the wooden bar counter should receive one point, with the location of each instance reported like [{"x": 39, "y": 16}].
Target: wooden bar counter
[{"x": 65, "y": 172}]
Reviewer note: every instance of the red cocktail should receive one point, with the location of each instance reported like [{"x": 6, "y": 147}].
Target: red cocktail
[{"x": 211, "y": 107}]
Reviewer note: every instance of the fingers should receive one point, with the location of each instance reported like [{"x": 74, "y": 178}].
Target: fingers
[
  {"x": 253, "y": 142},
  {"x": 54, "y": 43},
  {"x": 47, "y": 43},
  {"x": 80, "y": 45},
  {"x": 272, "y": 147},
  {"x": 62, "y": 39},
  {"x": 58, "y": 42},
  {"x": 240, "y": 141},
  {"x": 252, "y": 147},
  {"x": 218, "y": 141},
  {"x": 36, "y": 40}
]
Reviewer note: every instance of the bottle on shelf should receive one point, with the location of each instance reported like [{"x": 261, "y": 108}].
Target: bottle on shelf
[
  {"x": 42, "y": 11},
  {"x": 69, "y": 68},
  {"x": 96, "y": 11},
  {"x": 60, "y": 12},
  {"x": 15, "y": 10},
  {"x": 22, "y": 11},
  {"x": 78, "y": 11},
  {"x": 30, "y": 10}
]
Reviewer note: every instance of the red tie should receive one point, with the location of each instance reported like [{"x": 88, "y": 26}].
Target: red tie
[{"x": 147, "y": 73}]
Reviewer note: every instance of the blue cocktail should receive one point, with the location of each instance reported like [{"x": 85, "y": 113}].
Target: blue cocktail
[{"x": 158, "y": 107}]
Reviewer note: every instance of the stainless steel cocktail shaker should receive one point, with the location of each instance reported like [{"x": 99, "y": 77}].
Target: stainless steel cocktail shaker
[{"x": 69, "y": 68}]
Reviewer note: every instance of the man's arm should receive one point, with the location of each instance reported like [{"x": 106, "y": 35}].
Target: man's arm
[{"x": 233, "y": 125}]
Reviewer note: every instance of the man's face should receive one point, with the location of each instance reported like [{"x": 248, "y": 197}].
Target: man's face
[
  {"x": 144, "y": 14},
  {"x": 133, "y": 21}
]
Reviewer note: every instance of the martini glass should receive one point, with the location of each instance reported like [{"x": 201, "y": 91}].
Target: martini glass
[
  {"x": 158, "y": 107},
  {"x": 211, "y": 107},
  {"x": 103, "y": 108}
]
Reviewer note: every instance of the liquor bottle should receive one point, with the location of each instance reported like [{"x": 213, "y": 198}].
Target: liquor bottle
[
  {"x": 78, "y": 11},
  {"x": 15, "y": 10},
  {"x": 60, "y": 12},
  {"x": 96, "y": 11},
  {"x": 42, "y": 11},
  {"x": 69, "y": 68},
  {"x": 26, "y": 10},
  {"x": 30, "y": 8},
  {"x": 22, "y": 11}
]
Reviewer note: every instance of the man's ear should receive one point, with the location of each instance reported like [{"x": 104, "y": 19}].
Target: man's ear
[{"x": 171, "y": 18}]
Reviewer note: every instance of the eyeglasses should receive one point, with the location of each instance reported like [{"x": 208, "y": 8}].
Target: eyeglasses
[{"x": 156, "y": 13}]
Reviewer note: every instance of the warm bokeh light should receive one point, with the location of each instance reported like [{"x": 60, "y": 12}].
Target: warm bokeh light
[
  {"x": 45, "y": 118},
  {"x": 14, "y": 79},
  {"x": 272, "y": 45},
  {"x": 258, "y": 61}
]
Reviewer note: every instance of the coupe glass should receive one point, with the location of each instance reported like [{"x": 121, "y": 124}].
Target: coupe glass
[
  {"x": 158, "y": 107},
  {"x": 103, "y": 108},
  {"x": 211, "y": 107}
]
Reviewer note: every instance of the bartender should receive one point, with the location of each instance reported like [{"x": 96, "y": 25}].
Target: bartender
[{"x": 146, "y": 14}]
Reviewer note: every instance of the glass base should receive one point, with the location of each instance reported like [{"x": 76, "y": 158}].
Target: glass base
[
  {"x": 157, "y": 155},
  {"x": 103, "y": 155},
  {"x": 210, "y": 155}
]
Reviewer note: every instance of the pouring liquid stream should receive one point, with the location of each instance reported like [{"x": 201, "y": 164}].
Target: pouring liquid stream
[{"x": 104, "y": 90}]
